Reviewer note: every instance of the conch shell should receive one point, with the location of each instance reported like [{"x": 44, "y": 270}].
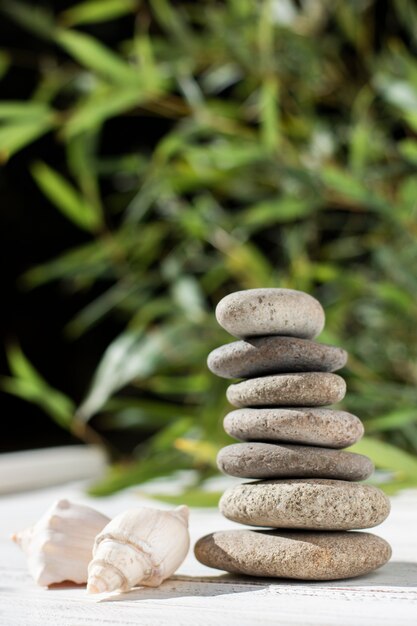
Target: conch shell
[
  {"x": 59, "y": 546},
  {"x": 139, "y": 547}
]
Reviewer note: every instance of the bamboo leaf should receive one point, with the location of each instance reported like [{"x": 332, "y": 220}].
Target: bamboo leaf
[
  {"x": 82, "y": 263},
  {"x": 30, "y": 386},
  {"x": 93, "y": 11},
  {"x": 81, "y": 157},
  {"x": 99, "y": 308},
  {"x": 164, "y": 439},
  {"x": 191, "y": 497},
  {"x": 129, "y": 357},
  {"x": 96, "y": 57},
  {"x": 361, "y": 146},
  {"x": 35, "y": 19},
  {"x": 276, "y": 211},
  {"x": 186, "y": 292},
  {"x": 21, "y": 367},
  {"x": 172, "y": 21},
  {"x": 343, "y": 183},
  {"x": 55, "y": 404},
  {"x": 65, "y": 197},
  {"x": 15, "y": 136},
  {"x": 17, "y": 111},
  {"x": 388, "y": 457},
  {"x": 391, "y": 421},
  {"x": 269, "y": 113},
  {"x": 91, "y": 113},
  {"x": 121, "y": 476}
]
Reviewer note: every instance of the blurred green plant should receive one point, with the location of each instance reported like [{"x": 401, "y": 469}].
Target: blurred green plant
[{"x": 289, "y": 159}]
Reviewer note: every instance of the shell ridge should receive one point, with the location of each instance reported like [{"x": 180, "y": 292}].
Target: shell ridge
[
  {"x": 104, "y": 563},
  {"x": 138, "y": 545}
]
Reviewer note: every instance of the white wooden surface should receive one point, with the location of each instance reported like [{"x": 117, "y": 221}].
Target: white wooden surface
[{"x": 198, "y": 595}]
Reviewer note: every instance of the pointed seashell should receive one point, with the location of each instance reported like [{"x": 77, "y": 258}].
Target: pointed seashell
[
  {"x": 59, "y": 546},
  {"x": 139, "y": 547}
]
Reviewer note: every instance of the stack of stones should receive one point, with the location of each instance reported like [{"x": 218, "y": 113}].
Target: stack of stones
[{"x": 308, "y": 499}]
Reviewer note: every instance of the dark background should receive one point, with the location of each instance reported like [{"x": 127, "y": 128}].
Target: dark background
[{"x": 32, "y": 232}]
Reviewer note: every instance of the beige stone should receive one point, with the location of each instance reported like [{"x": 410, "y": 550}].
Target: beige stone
[
  {"x": 270, "y": 460},
  {"x": 310, "y": 504},
  {"x": 257, "y": 312},
  {"x": 306, "y": 389},
  {"x": 312, "y": 426},
  {"x": 258, "y": 356},
  {"x": 300, "y": 555}
]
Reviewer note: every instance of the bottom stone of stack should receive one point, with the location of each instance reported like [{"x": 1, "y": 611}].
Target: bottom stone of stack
[{"x": 302, "y": 555}]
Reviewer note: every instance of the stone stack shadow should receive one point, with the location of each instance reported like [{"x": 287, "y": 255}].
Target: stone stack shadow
[{"x": 307, "y": 498}]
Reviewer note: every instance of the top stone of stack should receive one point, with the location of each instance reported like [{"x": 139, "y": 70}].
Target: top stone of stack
[{"x": 261, "y": 312}]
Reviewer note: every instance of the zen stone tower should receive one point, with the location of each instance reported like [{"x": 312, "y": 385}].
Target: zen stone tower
[{"x": 307, "y": 498}]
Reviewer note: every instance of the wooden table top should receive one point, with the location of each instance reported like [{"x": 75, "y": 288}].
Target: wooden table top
[{"x": 199, "y": 595}]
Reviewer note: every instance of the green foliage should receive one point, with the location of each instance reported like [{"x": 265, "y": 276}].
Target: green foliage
[
  {"x": 29, "y": 385},
  {"x": 94, "y": 11},
  {"x": 20, "y": 124},
  {"x": 65, "y": 197},
  {"x": 385, "y": 455},
  {"x": 95, "y": 57},
  {"x": 191, "y": 497},
  {"x": 288, "y": 158}
]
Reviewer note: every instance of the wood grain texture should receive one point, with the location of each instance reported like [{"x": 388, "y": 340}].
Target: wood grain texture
[{"x": 198, "y": 595}]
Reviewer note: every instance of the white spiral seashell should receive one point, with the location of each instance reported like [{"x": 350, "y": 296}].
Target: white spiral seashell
[
  {"x": 139, "y": 547},
  {"x": 59, "y": 546}
]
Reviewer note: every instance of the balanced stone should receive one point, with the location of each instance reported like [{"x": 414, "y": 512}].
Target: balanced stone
[
  {"x": 271, "y": 355},
  {"x": 311, "y": 504},
  {"x": 271, "y": 460},
  {"x": 301, "y": 389},
  {"x": 257, "y": 312},
  {"x": 300, "y": 555},
  {"x": 316, "y": 427}
]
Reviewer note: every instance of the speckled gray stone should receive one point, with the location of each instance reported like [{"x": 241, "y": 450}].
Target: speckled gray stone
[
  {"x": 258, "y": 356},
  {"x": 271, "y": 460},
  {"x": 317, "y": 427},
  {"x": 306, "y": 389},
  {"x": 310, "y": 504},
  {"x": 300, "y": 555},
  {"x": 257, "y": 312}
]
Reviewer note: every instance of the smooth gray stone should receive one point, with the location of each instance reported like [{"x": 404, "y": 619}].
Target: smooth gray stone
[
  {"x": 271, "y": 460},
  {"x": 300, "y": 555},
  {"x": 257, "y": 312},
  {"x": 306, "y": 389},
  {"x": 272, "y": 355},
  {"x": 306, "y": 503},
  {"x": 311, "y": 426}
]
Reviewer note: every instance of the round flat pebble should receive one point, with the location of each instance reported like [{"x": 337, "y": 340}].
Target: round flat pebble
[
  {"x": 310, "y": 504},
  {"x": 312, "y": 426},
  {"x": 306, "y": 389},
  {"x": 271, "y": 460},
  {"x": 300, "y": 555},
  {"x": 271, "y": 355},
  {"x": 257, "y": 312}
]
